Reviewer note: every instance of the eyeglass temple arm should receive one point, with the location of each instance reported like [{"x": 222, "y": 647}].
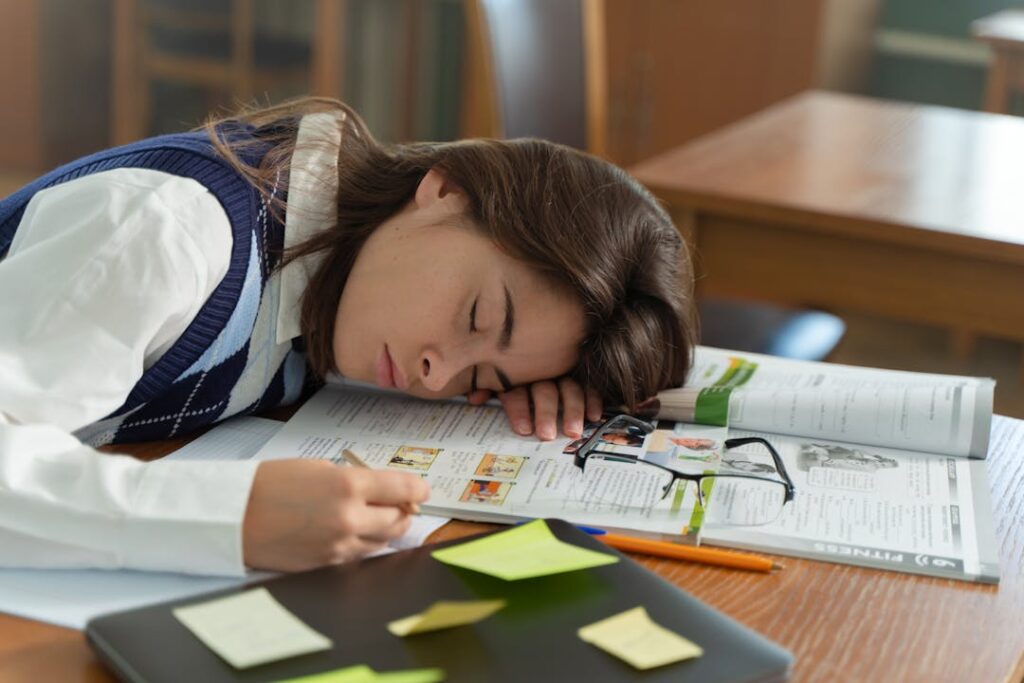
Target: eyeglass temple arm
[{"x": 580, "y": 458}]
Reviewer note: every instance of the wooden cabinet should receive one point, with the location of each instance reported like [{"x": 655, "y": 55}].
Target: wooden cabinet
[
  {"x": 680, "y": 68},
  {"x": 673, "y": 70},
  {"x": 21, "y": 135}
]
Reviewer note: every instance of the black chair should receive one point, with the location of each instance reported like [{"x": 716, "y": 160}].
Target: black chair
[{"x": 547, "y": 65}]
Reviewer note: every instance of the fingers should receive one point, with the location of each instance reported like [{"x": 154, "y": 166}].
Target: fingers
[
  {"x": 353, "y": 548},
  {"x": 382, "y": 523},
  {"x": 595, "y": 406},
  {"x": 517, "y": 407},
  {"x": 572, "y": 407},
  {"x": 390, "y": 488},
  {"x": 478, "y": 397},
  {"x": 545, "y": 409},
  {"x": 576, "y": 405}
]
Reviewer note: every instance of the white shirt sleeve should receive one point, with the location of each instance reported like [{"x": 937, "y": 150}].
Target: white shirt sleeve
[{"x": 104, "y": 274}]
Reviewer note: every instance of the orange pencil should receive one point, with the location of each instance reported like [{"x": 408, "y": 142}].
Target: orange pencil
[{"x": 721, "y": 558}]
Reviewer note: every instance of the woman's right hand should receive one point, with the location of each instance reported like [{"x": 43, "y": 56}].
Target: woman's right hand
[{"x": 310, "y": 513}]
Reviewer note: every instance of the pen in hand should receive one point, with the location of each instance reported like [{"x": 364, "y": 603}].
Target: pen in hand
[{"x": 353, "y": 459}]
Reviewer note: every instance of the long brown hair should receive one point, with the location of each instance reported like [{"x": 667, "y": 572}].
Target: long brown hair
[{"x": 579, "y": 221}]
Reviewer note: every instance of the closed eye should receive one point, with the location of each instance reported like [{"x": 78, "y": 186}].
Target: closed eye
[{"x": 472, "y": 328}]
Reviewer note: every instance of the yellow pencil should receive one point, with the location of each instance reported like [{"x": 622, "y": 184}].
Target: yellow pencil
[
  {"x": 353, "y": 459},
  {"x": 721, "y": 558}
]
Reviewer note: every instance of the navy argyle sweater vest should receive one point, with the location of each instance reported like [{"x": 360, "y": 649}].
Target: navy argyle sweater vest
[{"x": 227, "y": 362}]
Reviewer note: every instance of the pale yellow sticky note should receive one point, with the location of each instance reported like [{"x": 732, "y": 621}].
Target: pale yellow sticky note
[
  {"x": 364, "y": 674},
  {"x": 634, "y": 638},
  {"x": 445, "y": 614},
  {"x": 522, "y": 552},
  {"x": 250, "y": 628}
]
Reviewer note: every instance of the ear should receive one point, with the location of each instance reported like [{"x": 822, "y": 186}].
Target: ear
[{"x": 436, "y": 191}]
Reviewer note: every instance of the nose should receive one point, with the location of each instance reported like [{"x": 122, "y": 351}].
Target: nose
[{"x": 437, "y": 370}]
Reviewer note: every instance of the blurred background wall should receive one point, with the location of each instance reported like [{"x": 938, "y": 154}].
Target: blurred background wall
[{"x": 675, "y": 68}]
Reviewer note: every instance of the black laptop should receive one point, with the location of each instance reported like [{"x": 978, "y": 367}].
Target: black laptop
[{"x": 532, "y": 639}]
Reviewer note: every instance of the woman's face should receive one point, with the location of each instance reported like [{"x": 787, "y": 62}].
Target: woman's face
[{"x": 429, "y": 303}]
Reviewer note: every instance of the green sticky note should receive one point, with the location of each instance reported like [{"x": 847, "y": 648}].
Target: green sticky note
[
  {"x": 522, "y": 552},
  {"x": 350, "y": 674},
  {"x": 364, "y": 674},
  {"x": 411, "y": 676},
  {"x": 445, "y": 614}
]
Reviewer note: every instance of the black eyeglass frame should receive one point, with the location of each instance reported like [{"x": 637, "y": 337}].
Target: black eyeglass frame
[{"x": 589, "y": 447}]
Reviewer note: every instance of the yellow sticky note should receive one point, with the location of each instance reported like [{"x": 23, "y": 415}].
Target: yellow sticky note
[
  {"x": 364, "y": 674},
  {"x": 522, "y": 552},
  {"x": 634, "y": 638},
  {"x": 250, "y": 628},
  {"x": 445, "y": 614}
]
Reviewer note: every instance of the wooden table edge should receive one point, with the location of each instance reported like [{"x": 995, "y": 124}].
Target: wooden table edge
[{"x": 862, "y": 228}]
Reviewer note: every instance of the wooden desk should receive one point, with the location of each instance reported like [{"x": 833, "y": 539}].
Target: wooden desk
[
  {"x": 841, "y": 202},
  {"x": 842, "y": 623}
]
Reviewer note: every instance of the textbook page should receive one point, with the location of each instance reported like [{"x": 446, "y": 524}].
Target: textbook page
[
  {"x": 477, "y": 467},
  {"x": 876, "y": 507},
  {"x": 906, "y": 410}
]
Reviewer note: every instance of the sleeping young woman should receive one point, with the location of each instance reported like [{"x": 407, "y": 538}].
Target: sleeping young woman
[{"x": 153, "y": 289}]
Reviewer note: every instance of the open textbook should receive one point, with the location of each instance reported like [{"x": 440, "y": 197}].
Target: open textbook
[
  {"x": 886, "y": 464},
  {"x": 945, "y": 414},
  {"x": 477, "y": 467},
  {"x": 879, "y": 459}
]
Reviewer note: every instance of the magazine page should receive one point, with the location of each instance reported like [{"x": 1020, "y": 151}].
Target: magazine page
[
  {"x": 905, "y": 410},
  {"x": 876, "y": 507},
  {"x": 479, "y": 469}
]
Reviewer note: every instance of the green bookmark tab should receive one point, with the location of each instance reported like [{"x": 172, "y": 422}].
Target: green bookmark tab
[
  {"x": 522, "y": 552},
  {"x": 713, "y": 406}
]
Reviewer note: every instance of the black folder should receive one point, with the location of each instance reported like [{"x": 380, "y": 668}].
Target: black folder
[{"x": 532, "y": 639}]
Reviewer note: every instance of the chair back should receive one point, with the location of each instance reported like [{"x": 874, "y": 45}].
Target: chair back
[{"x": 536, "y": 50}]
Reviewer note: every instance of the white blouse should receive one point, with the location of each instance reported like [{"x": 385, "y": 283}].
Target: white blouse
[{"x": 104, "y": 274}]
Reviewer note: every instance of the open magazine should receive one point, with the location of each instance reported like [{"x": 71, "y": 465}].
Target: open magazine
[{"x": 884, "y": 462}]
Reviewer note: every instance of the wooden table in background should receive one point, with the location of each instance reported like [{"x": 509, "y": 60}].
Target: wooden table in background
[
  {"x": 841, "y": 623},
  {"x": 841, "y": 202},
  {"x": 1003, "y": 32}
]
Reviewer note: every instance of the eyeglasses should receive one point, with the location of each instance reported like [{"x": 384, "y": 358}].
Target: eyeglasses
[{"x": 744, "y": 498}]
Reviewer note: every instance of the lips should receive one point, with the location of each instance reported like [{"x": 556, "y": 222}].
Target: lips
[{"x": 388, "y": 374}]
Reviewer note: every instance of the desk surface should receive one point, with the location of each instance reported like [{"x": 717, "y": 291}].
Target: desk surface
[
  {"x": 841, "y": 623},
  {"x": 916, "y": 175}
]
